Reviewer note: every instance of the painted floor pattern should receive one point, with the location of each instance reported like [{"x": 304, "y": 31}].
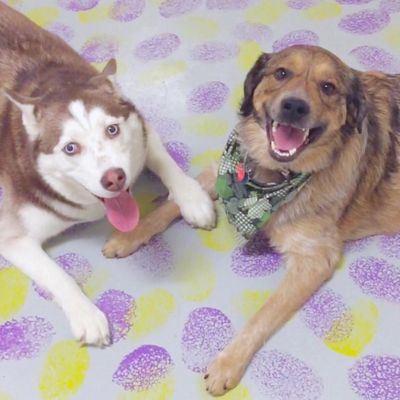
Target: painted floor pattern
[{"x": 178, "y": 301}]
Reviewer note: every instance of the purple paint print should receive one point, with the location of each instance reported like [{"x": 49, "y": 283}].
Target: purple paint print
[
  {"x": 371, "y": 57},
  {"x": 377, "y": 278},
  {"x": 376, "y": 377},
  {"x": 73, "y": 264},
  {"x": 252, "y": 32},
  {"x": 208, "y": 97},
  {"x": 166, "y": 127},
  {"x": 353, "y": 2},
  {"x": 24, "y": 338},
  {"x": 256, "y": 258},
  {"x": 365, "y": 22},
  {"x": 300, "y": 4},
  {"x": 78, "y": 5},
  {"x": 65, "y": 32},
  {"x": 214, "y": 52},
  {"x": 390, "y": 6},
  {"x": 283, "y": 376},
  {"x": 180, "y": 153},
  {"x": 99, "y": 49},
  {"x": 119, "y": 307},
  {"x": 390, "y": 245},
  {"x": 156, "y": 258},
  {"x": 300, "y": 37},
  {"x": 206, "y": 332},
  {"x": 143, "y": 368},
  {"x": 323, "y": 311},
  {"x": 174, "y": 8},
  {"x": 357, "y": 245},
  {"x": 127, "y": 10},
  {"x": 228, "y": 4},
  {"x": 157, "y": 47}
]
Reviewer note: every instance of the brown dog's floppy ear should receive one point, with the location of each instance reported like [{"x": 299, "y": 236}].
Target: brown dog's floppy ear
[
  {"x": 356, "y": 108},
  {"x": 253, "y": 78}
]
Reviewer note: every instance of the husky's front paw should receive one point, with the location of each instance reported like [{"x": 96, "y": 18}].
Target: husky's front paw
[
  {"x": 195, "y": 204},
  {"x": 89, "y": 325}
]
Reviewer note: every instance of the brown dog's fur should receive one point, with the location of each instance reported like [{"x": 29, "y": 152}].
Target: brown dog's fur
[{"x": 354, "y": 190}]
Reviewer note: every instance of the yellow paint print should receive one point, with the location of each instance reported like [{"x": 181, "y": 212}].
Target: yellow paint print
[
  {"x": 365, "y": 315},
  {"x": 236, "y": 97},
  {"x": 151, "y": 312},
  {"x": 96, "y": 283},
  {"x": 266, "y": 12},
  {"x": 195, "y": 276},
  {"x": 96, "y": 14},
  {"x": 392, "y": 37},
  {"x": 248, "y": 54},
  {"x": 324, "y": 10},
  {"x": 162, "y": 72},
  {"x": 251, "y": 301},
  {"x": 199, "y": 28},
  {"x": 64, "y": 370},
  {"x": 341, "y": 263},
  {"x": 209, "y": 126},
  {"x": 161, "y": 391},
  {"x": 206, "y": 158},
  {"x": 4, "y": 396},
  {"x": 146, "y": 202},
  {"x": 43, "y": 16},
  {"x": 223, "y": 237},
  {"x": 14, "y": 286}
]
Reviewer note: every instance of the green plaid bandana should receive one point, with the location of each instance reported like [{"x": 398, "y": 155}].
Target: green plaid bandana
[{"x": 249, "y": 205}]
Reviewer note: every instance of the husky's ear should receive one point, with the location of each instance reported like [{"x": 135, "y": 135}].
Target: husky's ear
[
  {"x": 106, "y": 79},
  {"x": 253, "y": 78},
  {"x": 110, "y": 68},
  {"x": 29, "y": 110}
]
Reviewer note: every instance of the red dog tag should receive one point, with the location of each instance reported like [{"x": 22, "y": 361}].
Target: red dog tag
[{"x": 240, "y": 172}]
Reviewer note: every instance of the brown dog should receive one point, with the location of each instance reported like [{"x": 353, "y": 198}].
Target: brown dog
[{"x": 306, "y": 111}]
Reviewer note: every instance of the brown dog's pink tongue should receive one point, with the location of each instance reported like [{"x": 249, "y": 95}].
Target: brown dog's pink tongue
[
  {"x": 287, "y": 138},
  {"x": 122, "y": 212}
]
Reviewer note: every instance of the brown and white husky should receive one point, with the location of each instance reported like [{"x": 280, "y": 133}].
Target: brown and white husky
[{"x": 70, "y": 147}]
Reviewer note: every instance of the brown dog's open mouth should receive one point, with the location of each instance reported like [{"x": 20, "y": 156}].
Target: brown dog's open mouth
[{"x": 287, "y": 141}]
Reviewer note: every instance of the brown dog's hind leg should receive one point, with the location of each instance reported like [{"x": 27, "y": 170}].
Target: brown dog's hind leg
[
  {"x": 122, "y": 244},
  {"x": 304, "y": 276}
]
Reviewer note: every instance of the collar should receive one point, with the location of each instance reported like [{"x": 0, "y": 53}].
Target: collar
[{"x": 248, "y": 204}]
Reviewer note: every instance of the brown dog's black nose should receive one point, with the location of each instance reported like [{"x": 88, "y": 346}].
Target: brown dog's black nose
[
  {"x": 293, "y": 109},
  {"x": 113, "y": 179}
]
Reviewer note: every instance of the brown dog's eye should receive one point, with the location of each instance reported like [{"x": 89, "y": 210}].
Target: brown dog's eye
[
  {"x": 280, "y": 74},
  {"x": 328, "y": 88}
]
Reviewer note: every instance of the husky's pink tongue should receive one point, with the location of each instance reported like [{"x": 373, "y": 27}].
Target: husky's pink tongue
[
  {"x": 122, "y": 212},
  {"x": 287, "y": 138}
]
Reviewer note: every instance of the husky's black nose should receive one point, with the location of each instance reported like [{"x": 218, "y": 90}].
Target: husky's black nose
[
  {"x": 293, "y": 109},
  {"x": 113, "y": 179}
]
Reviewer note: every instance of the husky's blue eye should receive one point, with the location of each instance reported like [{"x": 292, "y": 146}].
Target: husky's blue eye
[
  {"x": 112, "y": 130},
  {"x": 71, "y": 148}
]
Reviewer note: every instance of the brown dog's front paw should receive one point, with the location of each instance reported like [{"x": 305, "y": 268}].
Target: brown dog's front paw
[
  {"x": 224, "y": 373},
  {"x": 123, "y": 244}
]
